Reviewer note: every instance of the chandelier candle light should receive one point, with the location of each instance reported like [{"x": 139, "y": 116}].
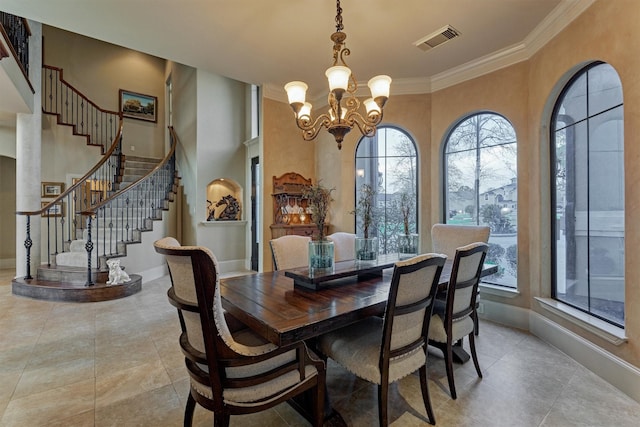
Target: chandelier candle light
[{"x": 343, "y": 105}]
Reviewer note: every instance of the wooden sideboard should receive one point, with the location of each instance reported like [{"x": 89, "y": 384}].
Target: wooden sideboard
[{"x": 290, "y": 213}]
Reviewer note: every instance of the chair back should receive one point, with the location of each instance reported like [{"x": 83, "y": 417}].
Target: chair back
[
  {"x": 446, "y": 238},
  {"x": 409, "y": 307},
  {"x": 194, "y": 292},
  {"x": 344, "y": 245},
  {"x": 463, "y": 284},
  {"x": 290, "y": 251}
]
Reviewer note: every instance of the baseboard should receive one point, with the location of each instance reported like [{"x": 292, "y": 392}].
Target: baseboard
[
  {"x": 505, "y": 314},
  {"x": 606, "y": 365},
  {"x": 231, "y": 265},
  {"x": 154, "y": 273}
]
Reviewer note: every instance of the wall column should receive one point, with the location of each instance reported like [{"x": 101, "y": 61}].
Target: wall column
[{"x": 28, "y": 156}]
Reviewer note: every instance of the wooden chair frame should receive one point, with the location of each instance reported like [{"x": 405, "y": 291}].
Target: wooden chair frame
[
  {"x": 450, "y": 317},
  {"x": 218, "y": 356}
]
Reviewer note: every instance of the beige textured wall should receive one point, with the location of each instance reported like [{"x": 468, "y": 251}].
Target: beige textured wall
[
  {"x": 283, "y": 151},
  {"x": 607, "y": 31},
  {"x": 99, "y": 70},
  {"x": 524, "y": 93},
  {"x": 504, "y": 92}
]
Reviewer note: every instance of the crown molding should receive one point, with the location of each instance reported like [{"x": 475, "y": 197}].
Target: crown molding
[{"x": 551, "y": 26}]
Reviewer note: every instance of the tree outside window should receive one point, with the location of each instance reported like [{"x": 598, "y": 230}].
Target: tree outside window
[{"x": 481, "y": 187}]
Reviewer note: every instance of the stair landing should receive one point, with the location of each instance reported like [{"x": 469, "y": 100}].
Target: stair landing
[{"x": 72, "y": 289}]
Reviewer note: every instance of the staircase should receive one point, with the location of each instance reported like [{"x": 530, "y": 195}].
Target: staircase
[
  {"x": 107, "y": 209},
  {"x": 134, "y": 169}
]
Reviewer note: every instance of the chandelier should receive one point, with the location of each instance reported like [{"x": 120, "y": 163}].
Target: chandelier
[{"x": 343, "y": 112}]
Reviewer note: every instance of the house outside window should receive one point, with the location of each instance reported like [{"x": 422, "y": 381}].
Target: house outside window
[
  {"x": 587, "y": 178},
  {"x": 388, "y": 162},
  {"x": 481, "y": 187}
]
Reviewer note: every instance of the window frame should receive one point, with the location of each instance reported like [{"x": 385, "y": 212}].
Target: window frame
[
  {"x": 553, "y": 129},
  {"x": 364, "y": 139},
  {"x": 445, "y": 180}
]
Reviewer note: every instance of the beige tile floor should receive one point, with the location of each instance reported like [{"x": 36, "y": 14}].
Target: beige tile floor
[{"x": 117, "y": 363}]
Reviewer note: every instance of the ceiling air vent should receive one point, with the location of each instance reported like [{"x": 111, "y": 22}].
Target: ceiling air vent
[{"x": 444, "y": 34}]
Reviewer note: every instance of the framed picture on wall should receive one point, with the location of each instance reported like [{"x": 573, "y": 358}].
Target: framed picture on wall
[
  {"x": 55, "y": 210},
  {"x": 52, "y": 189},
  {"x": 139, "y": 106}
]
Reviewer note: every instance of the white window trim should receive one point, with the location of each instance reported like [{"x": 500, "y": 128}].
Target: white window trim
[
  {"x": 501, "y": 291},
  {"x": 602, "y": 329}
]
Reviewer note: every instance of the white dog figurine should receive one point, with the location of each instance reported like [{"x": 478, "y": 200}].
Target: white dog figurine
[{"x": 116, "y": 273}]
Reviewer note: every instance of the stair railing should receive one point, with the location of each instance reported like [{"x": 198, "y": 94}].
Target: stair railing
[
  {"x": 17, "y": 32},
  {"x": 63, "y": 214},
  {"x": 73, "y": 108},
  {"x": 121, "y": 218}
]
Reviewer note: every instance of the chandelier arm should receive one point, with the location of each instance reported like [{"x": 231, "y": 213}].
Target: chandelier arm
[
  {"x": 310, "y": 129},
  {"x": 366, "y": 125}
]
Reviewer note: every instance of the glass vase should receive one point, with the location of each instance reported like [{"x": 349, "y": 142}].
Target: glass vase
[
  {"x": 408, "y": 245},
  {"x": 366, "y": 249},
  {"x": 321, "y": 257}
]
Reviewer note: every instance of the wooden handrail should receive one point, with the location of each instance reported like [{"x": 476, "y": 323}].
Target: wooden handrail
[
  {"x": 94, "y": 208},
  {"x": 82, "y": 180},
  {"x": 82, "y": 95}
]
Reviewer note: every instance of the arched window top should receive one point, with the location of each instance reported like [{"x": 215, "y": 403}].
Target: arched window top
[
  {"x": 479, "y": 130},
  {"x": 593, "y": 90}
]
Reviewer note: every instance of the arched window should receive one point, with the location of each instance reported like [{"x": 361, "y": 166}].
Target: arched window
[
  {"x": 481, "y": 187},
  {"x": 388, "y": 162},
  {"x": 587, "y": 179}
]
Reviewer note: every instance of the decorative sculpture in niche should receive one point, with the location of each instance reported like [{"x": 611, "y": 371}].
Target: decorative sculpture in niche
[
  {"x": 211, "y": 211},
  {"x": 231, "y": 211}
]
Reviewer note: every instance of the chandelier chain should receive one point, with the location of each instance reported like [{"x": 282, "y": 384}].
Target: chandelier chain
[{"x": 339, "y": 26}]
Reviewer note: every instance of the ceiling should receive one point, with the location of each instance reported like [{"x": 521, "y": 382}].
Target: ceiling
[{"x": 273, "y": 42}]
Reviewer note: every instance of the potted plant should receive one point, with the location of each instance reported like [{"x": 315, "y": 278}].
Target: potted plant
[
  {"x": 407, "y": 242},
  {"x": 321, "y": 250},
  {"x": 366, "y": 247}
]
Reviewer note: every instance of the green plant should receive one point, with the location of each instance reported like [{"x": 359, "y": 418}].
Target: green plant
[
  {"x": 365, "y": 208},
  {"x": 319, "y": 199}
]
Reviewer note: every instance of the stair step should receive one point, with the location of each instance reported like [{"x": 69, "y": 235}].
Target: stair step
[{"x": 70, "y": 274}]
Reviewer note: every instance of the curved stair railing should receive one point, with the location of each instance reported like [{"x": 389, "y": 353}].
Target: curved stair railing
[
  {"x": 121, "y": 218},
  {"x": 73, "y": 108},
  {"x": 100, "y": 219},
  {"x": 63, "y": 213}
]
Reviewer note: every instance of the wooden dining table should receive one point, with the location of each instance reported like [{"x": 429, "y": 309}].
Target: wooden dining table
[{"x": 271, "y": 305}]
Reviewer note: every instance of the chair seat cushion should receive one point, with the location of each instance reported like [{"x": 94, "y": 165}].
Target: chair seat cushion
[
  {"x": 357, "y": 349},
  {"x": 261, "y": 393},
  {"x": 459, "y": 329}
]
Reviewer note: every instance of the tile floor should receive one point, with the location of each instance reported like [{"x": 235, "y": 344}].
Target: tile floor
[{"x": 117, "y": 363}]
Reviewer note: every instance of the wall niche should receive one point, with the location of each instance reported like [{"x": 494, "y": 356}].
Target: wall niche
[{"x": 224, "y": 200}]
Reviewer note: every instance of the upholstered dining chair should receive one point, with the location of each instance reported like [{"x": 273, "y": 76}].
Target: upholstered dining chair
[
  {"x": 453, "y": 319},
  {"x": 290, "y": 251},
  {"x": 446, "y": 238},
  {"x": 344, "y": 245},
  {"x": 235, "y": 372},
  {"x": 385, "y": 349}
]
